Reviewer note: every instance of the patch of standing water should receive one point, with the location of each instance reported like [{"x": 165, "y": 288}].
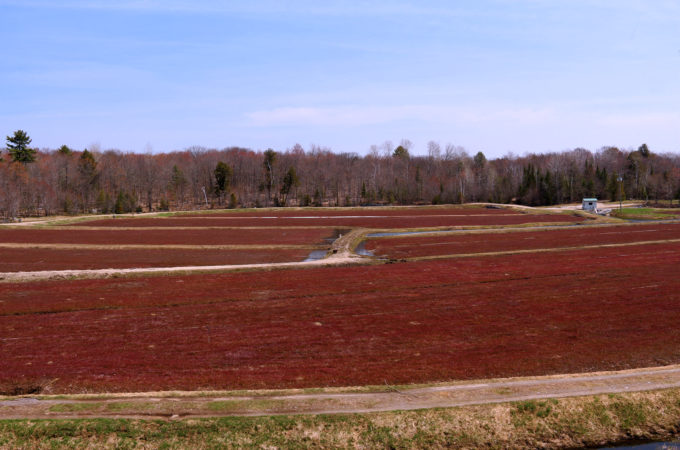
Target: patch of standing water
[
  {"x": 316, "y": 255},
  {"x": 647, "y": 446},
  {"x": 361, "y": 250}
]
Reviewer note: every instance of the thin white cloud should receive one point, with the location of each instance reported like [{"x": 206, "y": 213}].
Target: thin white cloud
[
  {"x": 635, "y": 119},
  {"x": 350, "y": 116}
]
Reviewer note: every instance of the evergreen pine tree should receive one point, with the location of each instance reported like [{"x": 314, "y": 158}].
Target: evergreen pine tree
[{"x": 18, "y": 147}]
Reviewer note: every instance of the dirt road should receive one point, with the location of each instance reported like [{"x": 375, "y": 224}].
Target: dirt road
[{"x": 176, "y": 405}]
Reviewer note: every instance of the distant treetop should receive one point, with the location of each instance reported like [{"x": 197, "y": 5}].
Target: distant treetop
[{"x": 18, "y": 147}]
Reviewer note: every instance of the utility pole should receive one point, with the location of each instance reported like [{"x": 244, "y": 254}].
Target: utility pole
[{"x": 620, "y": 180}]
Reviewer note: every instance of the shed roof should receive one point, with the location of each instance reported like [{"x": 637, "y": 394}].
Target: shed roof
[{"x": 589, "y": 199}]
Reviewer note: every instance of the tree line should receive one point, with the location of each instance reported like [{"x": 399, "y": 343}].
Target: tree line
[{"x": 68, "y": 181}]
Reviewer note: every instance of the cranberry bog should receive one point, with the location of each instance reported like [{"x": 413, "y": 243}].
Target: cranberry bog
[
  {"x": 78, "y": 248},
  {"x": 413, "y": 322},
  {"x": 579, "y": 308},
  {"x": 224, "y": 238},
  {"x": 381, "y": 218},
  {"x": 54, "y": 259},
  {"x": 169, "y": 236},
  {"x": 445, "y": 244}
]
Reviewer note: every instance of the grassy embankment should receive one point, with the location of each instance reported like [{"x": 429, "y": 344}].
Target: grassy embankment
[
  {"x": 646, "y": 213},
  {"x": 563, "y": 423}
]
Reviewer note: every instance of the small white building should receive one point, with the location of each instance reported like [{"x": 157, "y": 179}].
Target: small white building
[{"x": 590, "y": 204}]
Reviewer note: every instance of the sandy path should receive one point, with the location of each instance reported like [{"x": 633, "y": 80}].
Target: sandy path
[{"x": 334, "y": 401}]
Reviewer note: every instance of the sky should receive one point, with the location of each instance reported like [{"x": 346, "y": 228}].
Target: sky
[{"x": 496, "y": 76}]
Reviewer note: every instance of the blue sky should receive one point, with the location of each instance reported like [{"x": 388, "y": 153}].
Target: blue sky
[{"x": 490, "y": 75}]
